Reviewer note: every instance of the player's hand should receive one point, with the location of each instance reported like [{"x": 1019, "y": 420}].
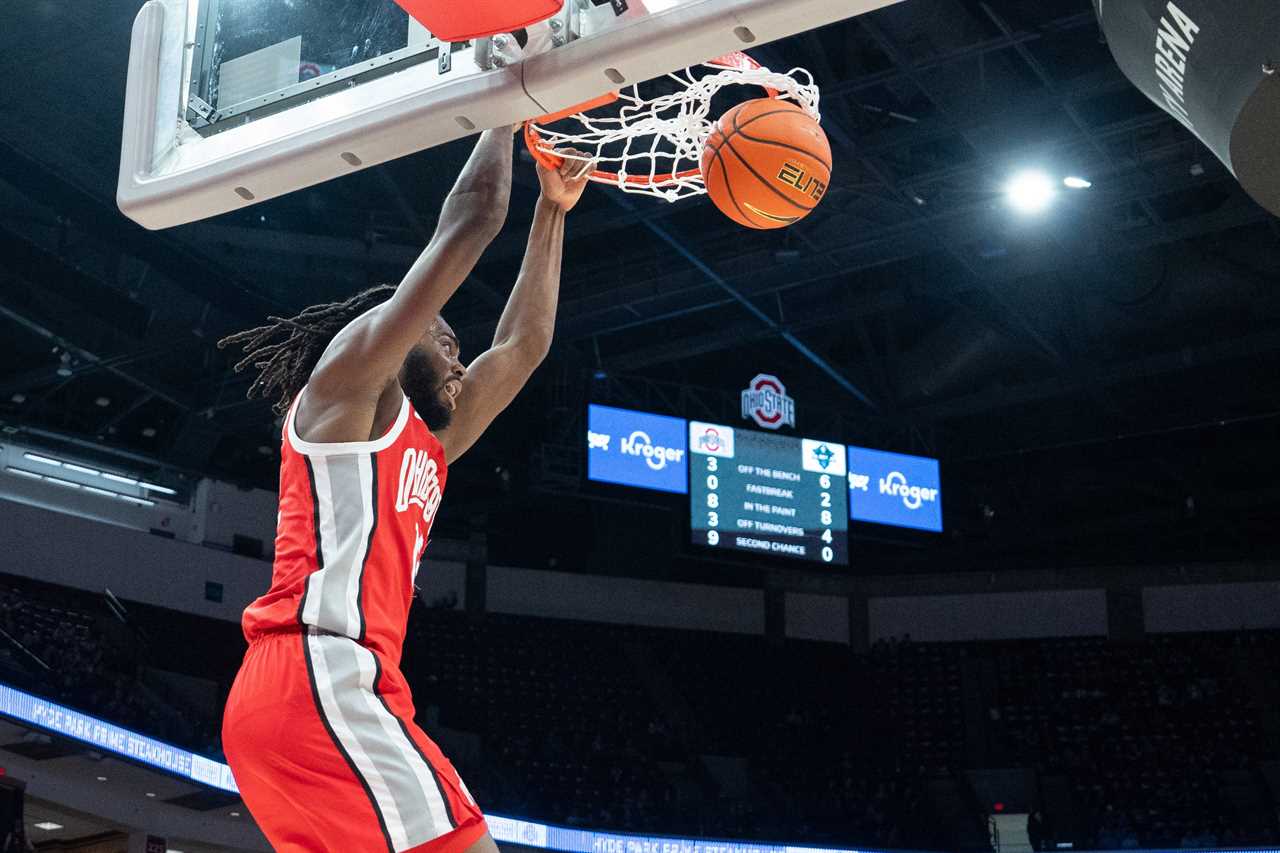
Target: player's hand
[{"x": 563, "y": 187}]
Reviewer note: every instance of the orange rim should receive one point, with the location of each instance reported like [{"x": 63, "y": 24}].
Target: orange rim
[{"x": 532, "y": 139}]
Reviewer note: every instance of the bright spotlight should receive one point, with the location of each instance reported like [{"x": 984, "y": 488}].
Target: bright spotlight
[
  {"x": 1030, "y": 192},
  {"x": 1076, "y": 183}
]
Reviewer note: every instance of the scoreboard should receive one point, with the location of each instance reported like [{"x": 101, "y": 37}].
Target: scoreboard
[
  {"x": 766, "y": 493},
  {"x": 769, "y": 494}
]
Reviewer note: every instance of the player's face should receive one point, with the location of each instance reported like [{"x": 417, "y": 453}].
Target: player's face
[{"x": 432, "y": 375}]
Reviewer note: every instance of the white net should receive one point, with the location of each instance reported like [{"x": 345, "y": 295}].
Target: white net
[{"x": 653, "y": 146}]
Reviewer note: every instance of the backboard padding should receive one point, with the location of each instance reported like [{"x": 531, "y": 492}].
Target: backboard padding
[{"x": 453, "y": 21}]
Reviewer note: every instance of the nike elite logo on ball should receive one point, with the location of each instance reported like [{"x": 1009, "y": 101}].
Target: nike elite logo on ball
[
  {"x": 794, "y": 175},
  {"x": 772, "y": 217}
]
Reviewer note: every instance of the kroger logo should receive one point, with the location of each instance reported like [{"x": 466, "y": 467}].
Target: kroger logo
[
  {"x": 912, "y": 496},
  {"x": 656, "y": 456}
]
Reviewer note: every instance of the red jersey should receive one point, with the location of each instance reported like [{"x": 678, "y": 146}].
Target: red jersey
[{"x": 354, "y": 520}]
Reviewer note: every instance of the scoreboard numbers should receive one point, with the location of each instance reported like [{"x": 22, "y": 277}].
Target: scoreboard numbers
[
  {"x": 768, "y": 494},
  {"x": 824, "y": 499},
  {"x": 713, "y": 501}
]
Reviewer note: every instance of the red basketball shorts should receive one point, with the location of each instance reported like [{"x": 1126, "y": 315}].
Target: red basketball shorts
[{"x": 326, "y": 763}]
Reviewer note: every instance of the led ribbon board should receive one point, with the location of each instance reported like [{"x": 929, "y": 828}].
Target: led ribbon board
[
  {"x": 108, "y": 737},
  {"x": 546, "y": 837}
]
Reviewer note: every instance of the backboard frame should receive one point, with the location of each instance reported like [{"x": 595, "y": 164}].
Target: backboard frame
[
  {"x": 171, "y": 175},
  {"x": 207, "y": 120}
]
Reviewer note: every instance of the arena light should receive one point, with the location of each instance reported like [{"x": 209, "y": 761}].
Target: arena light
[
  {"x": 1030, "y": 191},
  {"x": 94, "y": 472},
  {"x": 1076, "y": 183},
  {"x": 84, "y": 487},
  {"x": 47, "y": 825},
  {"x": 94, "y": 490},
  {"x": 60, "y": 482},
  {"x": 42, "y": 459}
]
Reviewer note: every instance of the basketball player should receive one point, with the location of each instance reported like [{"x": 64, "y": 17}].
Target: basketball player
[{"x": 319, "y": 728}]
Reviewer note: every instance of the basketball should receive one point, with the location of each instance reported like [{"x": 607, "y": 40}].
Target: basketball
[{"x": 766, "y": 164}]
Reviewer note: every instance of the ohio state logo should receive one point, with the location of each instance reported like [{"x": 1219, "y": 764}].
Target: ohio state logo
[{"x": 766, "y": 402}]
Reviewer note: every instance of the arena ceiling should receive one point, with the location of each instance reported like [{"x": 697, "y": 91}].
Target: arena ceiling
[{"x": 1107, "y": 367}]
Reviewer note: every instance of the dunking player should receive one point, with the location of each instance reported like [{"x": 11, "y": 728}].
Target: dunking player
[{"x": 319, "y": 727}]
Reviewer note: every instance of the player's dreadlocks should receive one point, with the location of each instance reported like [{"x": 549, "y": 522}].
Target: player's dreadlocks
[{"x": 287, "y": 364}]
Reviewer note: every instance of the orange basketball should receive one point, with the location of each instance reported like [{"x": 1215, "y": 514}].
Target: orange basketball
[{"x": 767, "y": 163}]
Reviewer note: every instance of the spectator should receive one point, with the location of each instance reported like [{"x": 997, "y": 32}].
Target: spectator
[{"x": 1036, "y": 832}]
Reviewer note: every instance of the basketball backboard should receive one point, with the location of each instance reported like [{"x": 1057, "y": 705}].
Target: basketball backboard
[{"x": 232, "y": 102}]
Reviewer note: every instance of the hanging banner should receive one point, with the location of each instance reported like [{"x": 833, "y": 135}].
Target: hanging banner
[{"x": 1211, "y": 64}]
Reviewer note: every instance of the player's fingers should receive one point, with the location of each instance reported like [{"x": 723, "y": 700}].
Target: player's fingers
[{"x": 576, "y": 164}]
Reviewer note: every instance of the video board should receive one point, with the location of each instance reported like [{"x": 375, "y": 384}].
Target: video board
[
  {"x": 894, "y": 489},
  {"x": 636, "y": 449}
]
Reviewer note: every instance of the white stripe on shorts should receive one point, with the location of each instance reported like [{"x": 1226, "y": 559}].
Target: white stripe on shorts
[{"x": 403, "y": 784}]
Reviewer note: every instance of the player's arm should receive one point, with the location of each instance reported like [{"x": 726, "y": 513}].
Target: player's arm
[
  {"x": 524, "y": 332},
  {"x": 365, "y": 357}
]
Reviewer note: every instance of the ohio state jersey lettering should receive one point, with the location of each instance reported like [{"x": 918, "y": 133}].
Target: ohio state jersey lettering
[
  {"x": 419, "y": 484},
  {"x": 354, "y": 520}
]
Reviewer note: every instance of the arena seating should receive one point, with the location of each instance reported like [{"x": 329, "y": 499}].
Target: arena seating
[
  {"x": 1162, "y": 742},
  {"x": 556, "y": 704},
  {"x": 59, "y": 644},
  {"x": 1145, "y": 732}
]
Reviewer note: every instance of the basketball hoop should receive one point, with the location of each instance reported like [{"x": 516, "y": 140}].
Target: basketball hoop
[{"x": 653, "y": 146}]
